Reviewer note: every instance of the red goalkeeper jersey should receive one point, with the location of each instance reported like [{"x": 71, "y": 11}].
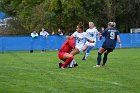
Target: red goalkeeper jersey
[{"x": 67, "y": 46}]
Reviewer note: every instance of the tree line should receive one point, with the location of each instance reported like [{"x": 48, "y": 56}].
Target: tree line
[{"x": 66, "y": 14}]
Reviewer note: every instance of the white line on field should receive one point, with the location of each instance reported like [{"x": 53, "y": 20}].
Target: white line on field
[{"x": 109, "y": 82}]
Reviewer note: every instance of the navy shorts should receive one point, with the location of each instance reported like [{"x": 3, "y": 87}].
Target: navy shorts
[{"x": 110, "y": 49}]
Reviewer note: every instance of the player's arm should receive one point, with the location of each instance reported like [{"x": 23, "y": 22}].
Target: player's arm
[
  {"x": 90, "y": 41},
  {"x": 87, "y": 36},
  {"x": 99, "y": 36},
  {"x": 119, "y": 41},
  {"x": 73, "y": 35},
  {"x": 71, "y": 43}
]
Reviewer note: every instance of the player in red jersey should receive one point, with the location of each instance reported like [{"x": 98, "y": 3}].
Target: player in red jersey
[{"x": 64, "y": 52}]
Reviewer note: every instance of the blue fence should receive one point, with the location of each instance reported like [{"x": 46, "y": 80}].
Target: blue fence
[{"x": 14, "y": 43}]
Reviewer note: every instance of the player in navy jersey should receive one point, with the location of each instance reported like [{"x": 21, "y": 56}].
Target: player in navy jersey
[{"x": 111, "y": 35}]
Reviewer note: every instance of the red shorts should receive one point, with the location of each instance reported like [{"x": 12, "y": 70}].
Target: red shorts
[{"x": 61, "y": 55}]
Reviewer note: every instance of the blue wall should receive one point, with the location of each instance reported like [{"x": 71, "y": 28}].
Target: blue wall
[
  {"x": 2, "y": 15},
  {"x": 14, "y": 43}
]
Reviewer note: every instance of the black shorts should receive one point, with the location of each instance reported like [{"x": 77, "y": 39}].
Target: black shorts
[{"x": 110, "y": 49}]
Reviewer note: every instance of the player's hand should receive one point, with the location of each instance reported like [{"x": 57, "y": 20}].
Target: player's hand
[{"x": 100, "y": 37}]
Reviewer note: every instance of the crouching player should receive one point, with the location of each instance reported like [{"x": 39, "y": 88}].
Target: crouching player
[
  {"x": 111, "y": 35},
  {"x": 64, "y": 53}
]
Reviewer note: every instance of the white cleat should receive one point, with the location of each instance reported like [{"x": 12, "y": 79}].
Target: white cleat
[{"x": 97, "y": 66}]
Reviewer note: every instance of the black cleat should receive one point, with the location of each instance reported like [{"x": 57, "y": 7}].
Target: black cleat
[
  {"x": 75, "y": 65},
  {"x": 60, "y": 64},
  {"x": 84, "y": 58},
  {"x": 31, "y": 51}
]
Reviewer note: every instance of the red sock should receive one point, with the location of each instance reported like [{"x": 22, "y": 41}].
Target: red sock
[{"x": 67, "y": 61}]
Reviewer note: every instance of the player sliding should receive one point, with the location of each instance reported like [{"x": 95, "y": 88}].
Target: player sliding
[
  {"x": 92, "y": 32},
  {"x": 81, "y": 36},
  {"x": 64, "y": 53},
  {"x": 111, "y": 35}
]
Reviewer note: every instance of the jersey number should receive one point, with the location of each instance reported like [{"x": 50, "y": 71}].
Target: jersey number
[{"x": 112, "y": 35}]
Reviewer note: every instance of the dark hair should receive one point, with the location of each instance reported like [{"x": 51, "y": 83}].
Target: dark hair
[
  {"x": 80, "y": 25},
  {"x": 70, "y": 34}
]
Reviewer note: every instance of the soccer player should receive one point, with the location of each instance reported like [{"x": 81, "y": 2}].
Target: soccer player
[
  {"x": 64, "y": 52},
  {"x": 81, "y": 37},
  {"x": 111, "y": 35},
  {"x": 92, "y": 32}
]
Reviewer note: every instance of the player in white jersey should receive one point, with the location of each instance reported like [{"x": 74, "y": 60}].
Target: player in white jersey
[
  {"x": 81, "y": 37},
  {"x": 80, "y": 40},
  {"x": 92, "y": 33}
]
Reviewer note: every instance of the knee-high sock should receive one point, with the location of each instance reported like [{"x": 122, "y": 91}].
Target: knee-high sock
[
  {"x": 105, "y": 58},
  {"x": 71, "y": 64},
  {"x": 99, "y": 58},
  {"x": 67, "y": 61},
  {"x": 88, "y": 50}
]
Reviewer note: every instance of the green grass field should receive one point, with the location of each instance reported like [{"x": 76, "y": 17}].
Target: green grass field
[{"x": 23, "y": 72}]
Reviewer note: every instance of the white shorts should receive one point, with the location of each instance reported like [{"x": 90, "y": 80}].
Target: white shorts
[
  {"x": 90, "y": 44},
  {"x": 80, "y": 47}
]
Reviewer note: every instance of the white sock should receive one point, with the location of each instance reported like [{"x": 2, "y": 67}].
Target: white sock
[
  {"x": 74, "y": 62},
  {"x": 86, "y": 55},
  {"x": 71, "y": 64}
]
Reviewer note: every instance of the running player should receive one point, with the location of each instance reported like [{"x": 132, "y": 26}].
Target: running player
[
  {"x": 81, "y": 37},
  {"x": 92, "y": 32},
  {"x": 64, "y": 52},
  {"x": 111, "y": 35}
]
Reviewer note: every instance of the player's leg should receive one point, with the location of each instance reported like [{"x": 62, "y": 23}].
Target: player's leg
[
  {"x": 84, "y": 50},
  {"x": 100, "y": 52},
  {"x": 67, "y": 59},
  {"x": 74, "y": 51},
  {"x": 72, "y": 64},
  {"x": 75, "y": 63},
  {"x": 89, "y": 48},
  {"x": 105, "y": 56},
  {"x": 88, "y": 51}
]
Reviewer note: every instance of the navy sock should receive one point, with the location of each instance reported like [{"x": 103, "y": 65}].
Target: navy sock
[
  {"x": 105, "y": 59},
  {"x": 99, "y": 58}
]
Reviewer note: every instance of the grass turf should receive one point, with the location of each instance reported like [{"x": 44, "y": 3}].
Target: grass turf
[{"x": 24, "y": 72}]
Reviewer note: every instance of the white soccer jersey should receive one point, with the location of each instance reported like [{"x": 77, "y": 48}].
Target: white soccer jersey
[
  {"x": 80, "y": 39},
  {"x": 33, "y": 35},
  {"x": 44, "y": 33},
  {"x": 92, "y": 33}
]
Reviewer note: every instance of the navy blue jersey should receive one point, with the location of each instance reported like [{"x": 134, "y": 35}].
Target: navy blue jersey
[{"x": 110, "y": 35}]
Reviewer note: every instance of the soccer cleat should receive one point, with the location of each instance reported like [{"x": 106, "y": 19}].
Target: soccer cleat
[
  {"x": 75, "y": 65},
  {"x": 60, "y": 64},
  {"x": 97, "y": 66},
  {"x": 31, "y": 51},
  {"x": 103, "y": 64},
  {"x": 84, "y": 58}
]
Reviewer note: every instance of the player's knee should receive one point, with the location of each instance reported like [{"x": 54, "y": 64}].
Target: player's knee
[
  {"x": 99, "y": 53},
  {"x": 71, "y": 56},
  {"x": 106, "y": 52}
]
